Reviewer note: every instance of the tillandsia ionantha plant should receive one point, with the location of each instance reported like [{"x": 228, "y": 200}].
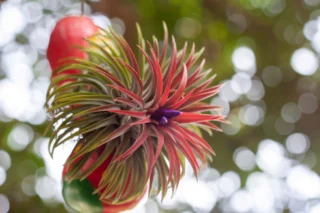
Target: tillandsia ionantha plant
[{"x": 136, "y": 118}]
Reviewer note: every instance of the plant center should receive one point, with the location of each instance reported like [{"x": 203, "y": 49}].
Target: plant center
[{"x": 162, "y": 116}]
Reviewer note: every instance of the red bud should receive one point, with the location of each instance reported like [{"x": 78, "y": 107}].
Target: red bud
[{"x": 68, "y": 33}]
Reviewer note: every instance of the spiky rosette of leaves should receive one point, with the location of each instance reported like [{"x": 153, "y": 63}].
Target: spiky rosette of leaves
[{"x": 143, "y": 111}]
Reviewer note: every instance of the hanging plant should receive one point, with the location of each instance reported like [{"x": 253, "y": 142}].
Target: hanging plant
[{"x": 136, "y": 118}]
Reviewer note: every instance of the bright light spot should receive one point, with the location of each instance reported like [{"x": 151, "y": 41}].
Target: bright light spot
[
  {"x": 238, "y": 21},
  {"x": 310, "y": 29},
  {"x": 315, "y": 208},
  {"x": 310, "y": 159},
  {"x": 297, "y": 205},
  {"x": 304, "y": 61},
  {"x": 275, "y": 7},
  {"x": 118, "y": 26},
  {"x": 272, "y": 76},
  {"x": 54, "y": 166},
  {"x": 229, "y": 183},
  {"x": 283, "y": 127},
  {"x": 209, "y": 174},
  {"x": 217, "y": 101},
  {"x": 196, "y": 194},
  {"x": 152, "y": 206},
  {"x": 4, "y": 204},
  {"x": 188, "y": 28},
  {"x": 256, "y": 92},
  {"x": 251, "y": 115},
  {"x": 20, "y": 137},
  {"x": 50, "y": 5},
  {"x": 42, "y": 68},
  {"x": 304, "y": 181},
  {"x": 297, "y": 143},
  {"x": 28, "y": 185},
  {"x": 260, "y": 187},
  {"x": 140, "y": 207},
  {"x": 20, "y": 74},
  {"x": 32, "y": 11},
  {"x": 234, "y": 127},
  {"x": 11, "y": 57},
  {"x": 168, "y": 202},
  {"x": 46, "y": 187},
  {"x": 306, "y": 84},
  {"x": 39, "y": 38},
  {"x": 3, "y": 176},
  {"x": 271, "y": 158},
  {"x": 290, "y": 113},
  {"x": 244, "y": 158},
  {"x": 308, "y": 103},
  {"x": 243, "y": 58},
  {"x": 227, "y": 93},
  {"x": 5, "y": 160},
  {"x": 101, "y": 20},
  {"x": 241, "y": 201},
  {"x": 315, "y": 43},
  {"x": 66, "y": 3},
  {"x": 241, "y": 83},
  {"x": 22, "y": 103},
  {"x": 76, "y": 9},
  {"x": 12, "y": 20},
  {"x": 15, "y": 102},
  {"x": 312, "y": 3}
]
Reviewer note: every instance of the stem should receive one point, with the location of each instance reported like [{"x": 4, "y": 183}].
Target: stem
[{"x": 82, "y": 7}]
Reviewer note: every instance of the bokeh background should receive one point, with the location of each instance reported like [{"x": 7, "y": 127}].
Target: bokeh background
[{"x": 267, "y": 53}]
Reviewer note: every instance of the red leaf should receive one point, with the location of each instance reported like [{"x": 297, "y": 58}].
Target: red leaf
[
  {"x": 101, "y": 71},
  {"x": 172, "y": 159},
  {"x": 142, "y": 121},
  {"x": 169, "y": 74},
  {"x": 130, "y": 94},
  {"x": 196, "y": 137},
  {"x": 196, "y": 97},
  {"x": 160, "y": 138},
  {"x": 185, "y": 148},
  {"x": 189, "y": 117},
  {"x": 139, "y": 141},
  {"x": 199, "y": 107},
  {"x": 182, "y": 53},
  {"x": 126, "y": 101},
  {"x": 116, "y": 133},
  {"x": 194, "y": 76},
  {"x": 188, "y": 64},
  {"x": 181, "y": 101},
  {"x": 178, "y": 93},
  {"x": 135, "y": 75},
  {"x": 210, "y": 125},
  {"x": 136, "y": 114},
  {"x": 157, "y": 75},
  {"x": 202, "y": 86},
  {"x": 150, "y": 155},
  {"x": 165, "y": 45}
]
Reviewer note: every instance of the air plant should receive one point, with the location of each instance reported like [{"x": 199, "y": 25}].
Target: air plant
[{"x": 136, "y": 118}]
